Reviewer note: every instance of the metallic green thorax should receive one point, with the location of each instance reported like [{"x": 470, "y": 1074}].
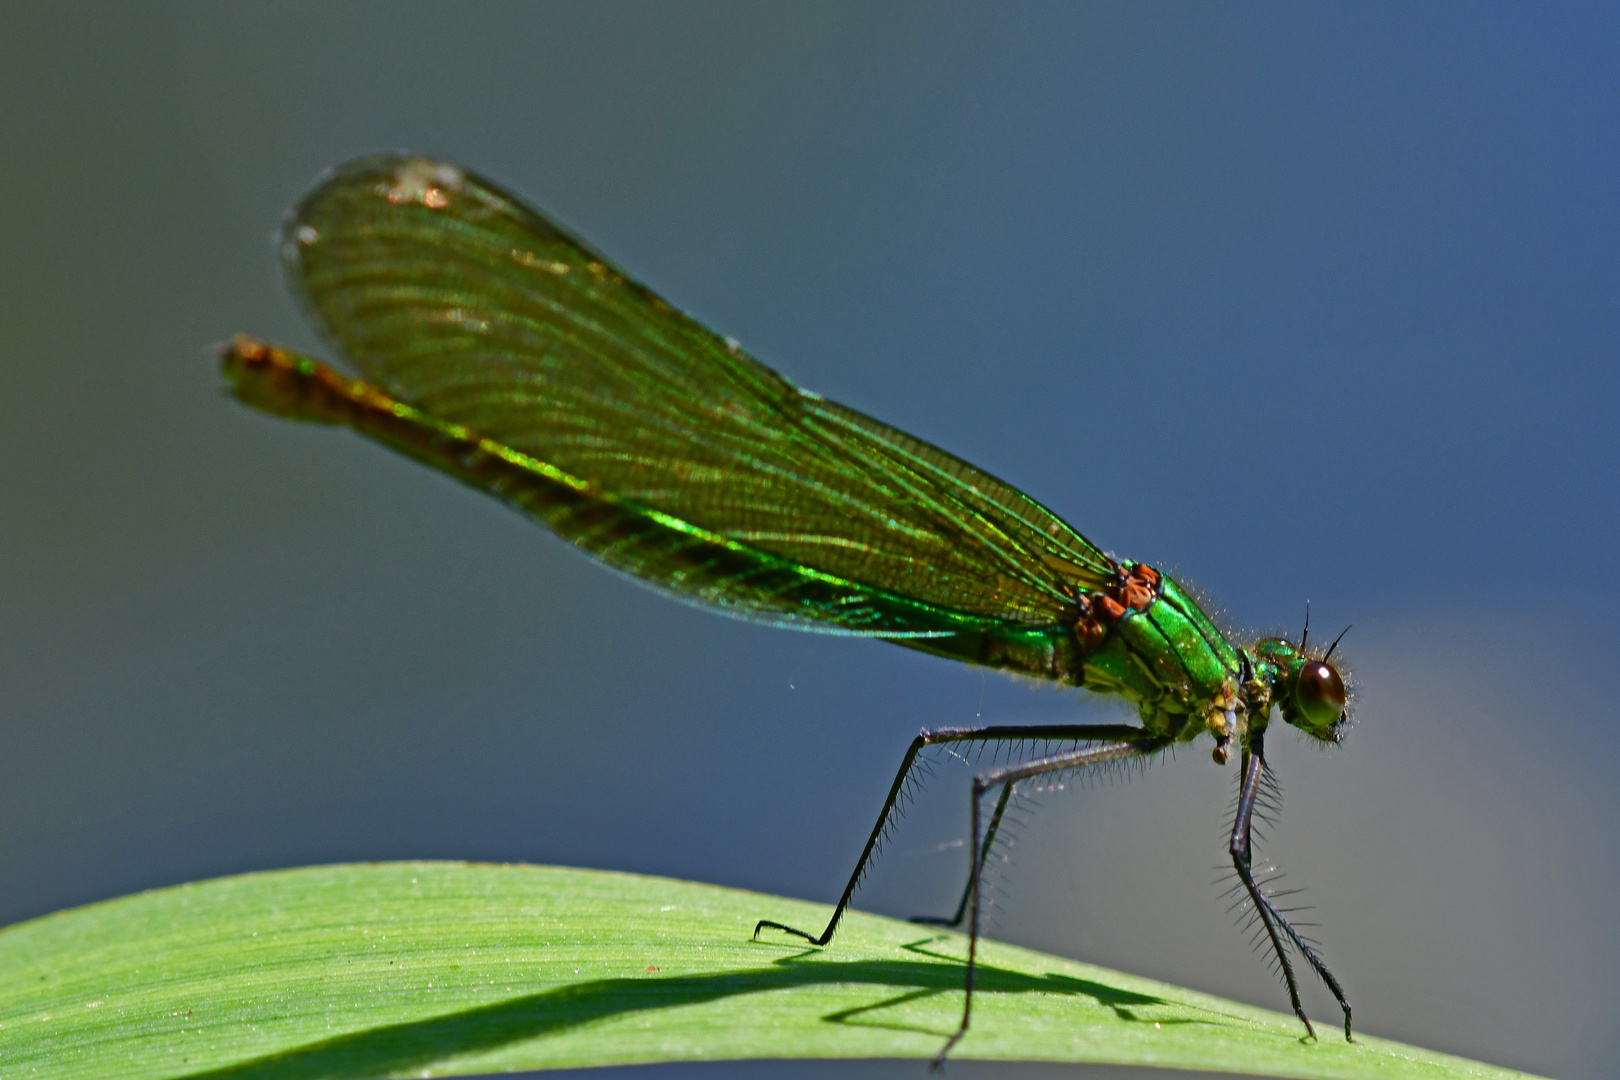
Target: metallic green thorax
[
  {"x": 1171, "y": 661},
  {"x": 500, "y": 349}
]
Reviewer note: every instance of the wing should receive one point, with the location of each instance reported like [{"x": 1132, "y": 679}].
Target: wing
[{"x": 460, "y": 302}]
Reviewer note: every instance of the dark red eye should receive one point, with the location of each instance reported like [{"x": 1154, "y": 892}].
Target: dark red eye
[{"x": 1320, "y": 693}]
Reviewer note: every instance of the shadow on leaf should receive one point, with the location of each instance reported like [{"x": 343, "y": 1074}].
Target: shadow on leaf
[{"x": 401, "y": 1047}]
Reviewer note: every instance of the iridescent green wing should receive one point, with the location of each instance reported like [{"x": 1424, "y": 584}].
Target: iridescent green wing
[{"x": 457, "y": 299}]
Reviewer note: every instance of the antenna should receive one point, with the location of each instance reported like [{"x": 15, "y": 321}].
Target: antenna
[{"x": 1335, "y": 644}]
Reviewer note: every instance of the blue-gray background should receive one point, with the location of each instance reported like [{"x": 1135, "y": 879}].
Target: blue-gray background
[{"x": 1300, "y": 302}]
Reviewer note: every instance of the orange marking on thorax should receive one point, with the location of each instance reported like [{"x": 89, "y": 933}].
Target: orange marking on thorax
[{"x": 1135, "y": 590}]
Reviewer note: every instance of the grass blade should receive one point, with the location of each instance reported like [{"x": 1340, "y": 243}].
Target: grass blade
[{"x": 445, "y": 969}]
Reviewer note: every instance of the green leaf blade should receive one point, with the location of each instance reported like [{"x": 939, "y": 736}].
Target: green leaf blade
[{"x": 454, "y": 969}]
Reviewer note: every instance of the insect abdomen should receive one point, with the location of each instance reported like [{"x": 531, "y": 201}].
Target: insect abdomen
[
  {"x": 1048, "y": 652},
  {"x": 683, "y": 559}
]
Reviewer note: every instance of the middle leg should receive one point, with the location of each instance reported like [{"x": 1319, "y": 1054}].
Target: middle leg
[{"x": 1005, "y": 778}]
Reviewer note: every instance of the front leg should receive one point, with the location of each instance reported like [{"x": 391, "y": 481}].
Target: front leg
[{"x": 1277, "y": 926}]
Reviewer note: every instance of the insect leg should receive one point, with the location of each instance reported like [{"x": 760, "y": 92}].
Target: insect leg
[
  {"x": 998, "y": 733},
  {"x": 984, "y": 853},
  {"x": 1005, "y": 778},
  {"x": 1276, "y": 925}
]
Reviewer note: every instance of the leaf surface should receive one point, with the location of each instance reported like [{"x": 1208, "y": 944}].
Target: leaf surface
[{"x": 446, "y": 969}]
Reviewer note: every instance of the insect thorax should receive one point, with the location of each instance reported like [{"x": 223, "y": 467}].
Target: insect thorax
[{"x": 1147, "y": 640}]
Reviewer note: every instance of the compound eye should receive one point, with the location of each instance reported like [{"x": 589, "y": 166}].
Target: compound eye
[{"x": 1320, "y": 693}]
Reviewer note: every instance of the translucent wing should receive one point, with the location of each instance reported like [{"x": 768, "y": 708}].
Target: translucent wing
[{"x": 458, "y": 300}]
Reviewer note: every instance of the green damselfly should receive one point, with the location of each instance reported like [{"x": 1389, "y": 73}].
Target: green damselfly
[{"x": 497, "y": 347}]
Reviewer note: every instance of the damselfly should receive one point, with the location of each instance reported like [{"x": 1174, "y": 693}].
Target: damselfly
[{"x": 499, "y": 348}]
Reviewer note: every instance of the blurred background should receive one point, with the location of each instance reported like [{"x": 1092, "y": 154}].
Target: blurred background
[{"x": 1300, "y": 302}]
